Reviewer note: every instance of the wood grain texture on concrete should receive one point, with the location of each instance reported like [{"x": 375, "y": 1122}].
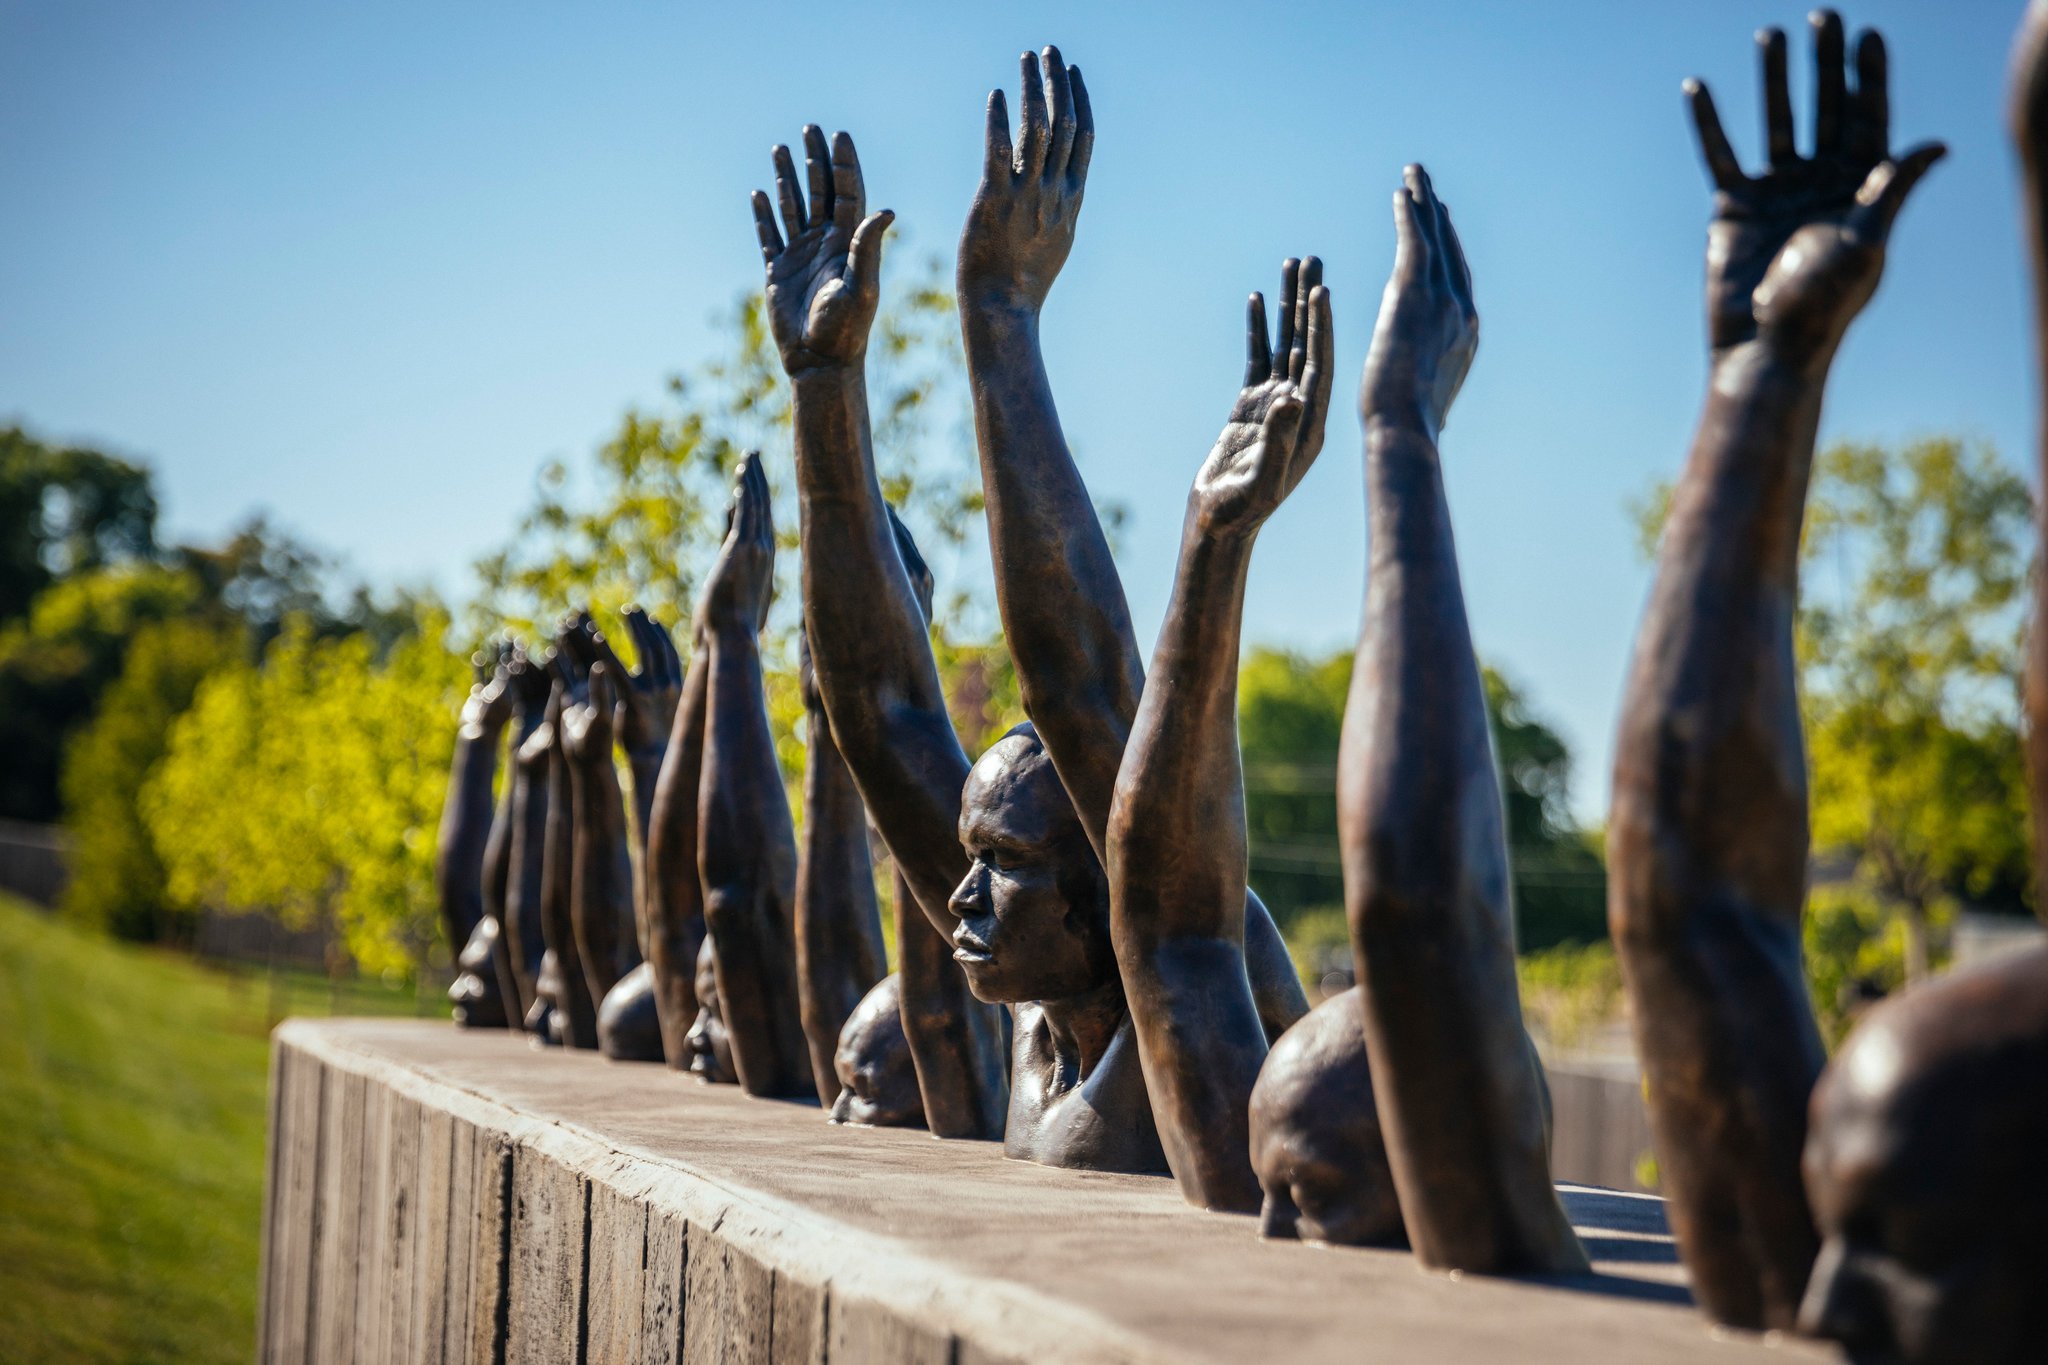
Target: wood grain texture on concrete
[{"x": 443, "y": 1196}]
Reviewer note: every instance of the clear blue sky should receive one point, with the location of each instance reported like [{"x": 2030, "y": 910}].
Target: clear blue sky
[{"x": 368, "y": 265}]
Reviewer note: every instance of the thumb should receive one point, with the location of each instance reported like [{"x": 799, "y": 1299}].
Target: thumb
[
  {"x": 1885, "y": 189},
  {"x": 1281, "y": 431},
  {"x": 864, "y": 257}
]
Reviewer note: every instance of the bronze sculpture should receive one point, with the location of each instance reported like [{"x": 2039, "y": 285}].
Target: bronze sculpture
[
  {"x": 463, "y": 861},
  {"x": 1459, "y": 1091},
  {"x": 746, "y": 850},
  {"x": 869, "y": 644},
  {"x": 839, "y": 955},
  {"x": 876, "y": 1074},
  {"x": 707, "y": 1047},
  {"x": 1315, "y": 1135},
  {"x": 561, "y": 990},
  {"x": 1708, "y": 834},
  {"x": 672, "y": 888},
  {"x": 1922, "y": 1159}
]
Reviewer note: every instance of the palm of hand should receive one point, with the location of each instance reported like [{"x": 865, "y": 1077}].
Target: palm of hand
[
  {"x": 737, "y": 592},
  {"x": 1021, "y": 225},
  {"x": 1018, "y": 235},
  {"x": 1275, "y": 429},
  {"x": 813, "y": 313},
  {"x": 586, "y": 733},
  {"x": 1428, "y": 327}
]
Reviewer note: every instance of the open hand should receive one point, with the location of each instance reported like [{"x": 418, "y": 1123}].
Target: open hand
[
  {"x": 1794, "y": 253},
  {"x": 1427, "y": 331},
  {"x": 742, "y": 581},
  {"x": 490, "y": 700},
  {"x": 530, "y": 682},
  {"x": 1275, "y": 430},
  {"x": 1021, "y": 224},
  {"x": 825, "y": 279},
  {"x": 648, "y": 695},
  {"x": 587, "y": 726}
]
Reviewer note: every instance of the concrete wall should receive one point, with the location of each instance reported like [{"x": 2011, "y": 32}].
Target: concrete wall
[{"x": 440, "y": 1196}]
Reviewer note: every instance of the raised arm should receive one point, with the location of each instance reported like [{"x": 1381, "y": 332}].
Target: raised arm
[
  {"x": 839, "y": 954},
  {"x": 574, "y": 1011},
  {"x": 602, "y": 874},
  {"x": 1457, "y": 1083},
  {"x": 466, "y": 812},
  {"x": 746, "y": 848},
  {"x": 870, "y": 647},
  {"x": 1064, "y": 615},
  {"x": 2029, "y": 119},
  {"x": 674, "y": 886},
  {"x": 1177, "y": 850},
  {"x": 1707, "y": 839},
  {"x": 527, "y": 790}
]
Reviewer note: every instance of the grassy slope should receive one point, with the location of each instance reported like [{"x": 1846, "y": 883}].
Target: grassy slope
[{"x": 131, "y": 1145}]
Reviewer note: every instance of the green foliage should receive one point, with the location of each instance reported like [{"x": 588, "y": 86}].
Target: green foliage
[
  {"x": 337, "y": 761},
  {"x": 117, "y": 879},
  {"x": 1568, "y": 991},
  {"x": 55, "y": 661},
  {"x": 1856, "y": 950},
  {"x": 1290, "y": 718},
  {"x": 66, "y": 511},
  {"x": 1914, "y": 566}
]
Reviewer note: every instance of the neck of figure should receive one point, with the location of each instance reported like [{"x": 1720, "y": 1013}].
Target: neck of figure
[{"x": 1081, "y": 1028}]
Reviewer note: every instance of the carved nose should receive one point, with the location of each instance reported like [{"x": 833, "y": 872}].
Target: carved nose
[
  {"x": 967, "y": 899},
  {"x": 1278, "y": 1216}
]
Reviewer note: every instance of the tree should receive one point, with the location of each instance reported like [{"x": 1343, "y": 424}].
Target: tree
[
  {"x": 1914, "y": 564},
  {"x": 1290, "y": 714},
  {"x": 66, "y": 511},
  {"x": 117, "y": 881}
]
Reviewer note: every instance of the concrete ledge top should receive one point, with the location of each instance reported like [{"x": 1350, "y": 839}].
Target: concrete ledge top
[{"x": 1022, "y": 1261}]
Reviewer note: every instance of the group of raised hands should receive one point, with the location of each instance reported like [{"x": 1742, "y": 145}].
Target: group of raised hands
[{"x": 1084, "y": 969}]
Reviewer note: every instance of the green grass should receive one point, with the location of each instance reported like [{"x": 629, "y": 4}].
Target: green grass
[{"x": 131, "y": 1143}]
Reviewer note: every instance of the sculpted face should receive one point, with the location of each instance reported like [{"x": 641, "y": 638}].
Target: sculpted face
[
  {"x": 1033, "y": 909},
  {"x": 1315, "y": 1135},
  {"x": 1923, "y": 1168},
  {"x": 710, "y": 1052},
  {"x": 877, "y": 1079}
]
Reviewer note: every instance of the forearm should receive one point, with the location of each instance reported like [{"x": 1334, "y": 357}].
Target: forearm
[
  {"x": 1710, "y": 778},
  {"x": 599, "y": 888},
  {"x": 674, "y": 888},
  {"x": 1426, "y": 887},
  {"x": 465, "y": 829},
  {"x": 1065, "y": 619},
  {"x": 574, "y": 1008},
  {"x": 955, "y": 1040},
  {"x": 1177, "y": 853},
  {"x": 526, "y": 879},
  {"x": 870, "y": 646},
  {"x": 839, "y": 954}
]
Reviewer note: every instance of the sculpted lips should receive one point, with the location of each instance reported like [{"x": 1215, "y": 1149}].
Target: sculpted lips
[{"x": 968, "y": 948}]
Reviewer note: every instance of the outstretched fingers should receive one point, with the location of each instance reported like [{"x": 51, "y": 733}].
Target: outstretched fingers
[
  {"x": 1830, "y": 82},
  {"x": 1290, "y": 274},
  {"x": 818, "y": 170},
  {"x": 765, "y": 229},
  {"x": 1870, "y": 125},
  {"x": 787, "y": 194},
  {"x": 1719, "y": 156},
  {"x": 1317, "y": 374},
  {"x": 1084, "y": 132},
  {"x": 1884, "y": 191},
  {"x": 1034, "y": 135},
  {"x": 849, "y": 189},
  {"x": 1306, "y": 282},
  {"x": 1777, "y": 98},
  {"x": 999, "y": 158},
  {"x": 1258, "y": 348},
  {"x": 1059, "y": 98}
]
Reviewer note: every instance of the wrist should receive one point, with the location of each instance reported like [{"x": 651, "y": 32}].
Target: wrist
[
  {"x": 1388, "y": 423},
  {"x": 808, "y": 370},
  {"x": 1767, "y": 365},
  {"x": 998, "y": 301}
]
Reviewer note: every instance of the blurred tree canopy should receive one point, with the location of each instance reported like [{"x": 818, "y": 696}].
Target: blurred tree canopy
[
  {"x": 1914, "y": 565},
  {"x": 1290, "y": 718}
]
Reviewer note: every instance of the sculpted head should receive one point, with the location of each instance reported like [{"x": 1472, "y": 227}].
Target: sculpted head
[
  {"x": 877, "y": 1079},
  {"x": 1924, "y": 1168},
  {"x": 710, "y": 1052},
  {"x": 1315, "y": 1135},
  {"x": 1033, "y": 909}
]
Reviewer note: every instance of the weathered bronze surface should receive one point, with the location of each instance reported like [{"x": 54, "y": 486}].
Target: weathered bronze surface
[
  {"x": 839, "y": 954},
  {"x": 1924, "y": 1168},
  {"x": 746, "y": 846},
  {"x": 673, "y": 888},
  {"x": 1708, "y": 826},
  {"x": 869, "y": 644},
  {"x": 1315, "y": 1135},
  {"x": 877, "y": 1078},
  {"x": 1456, "y": 1080},
  {"x": 463, "y": 861}
]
